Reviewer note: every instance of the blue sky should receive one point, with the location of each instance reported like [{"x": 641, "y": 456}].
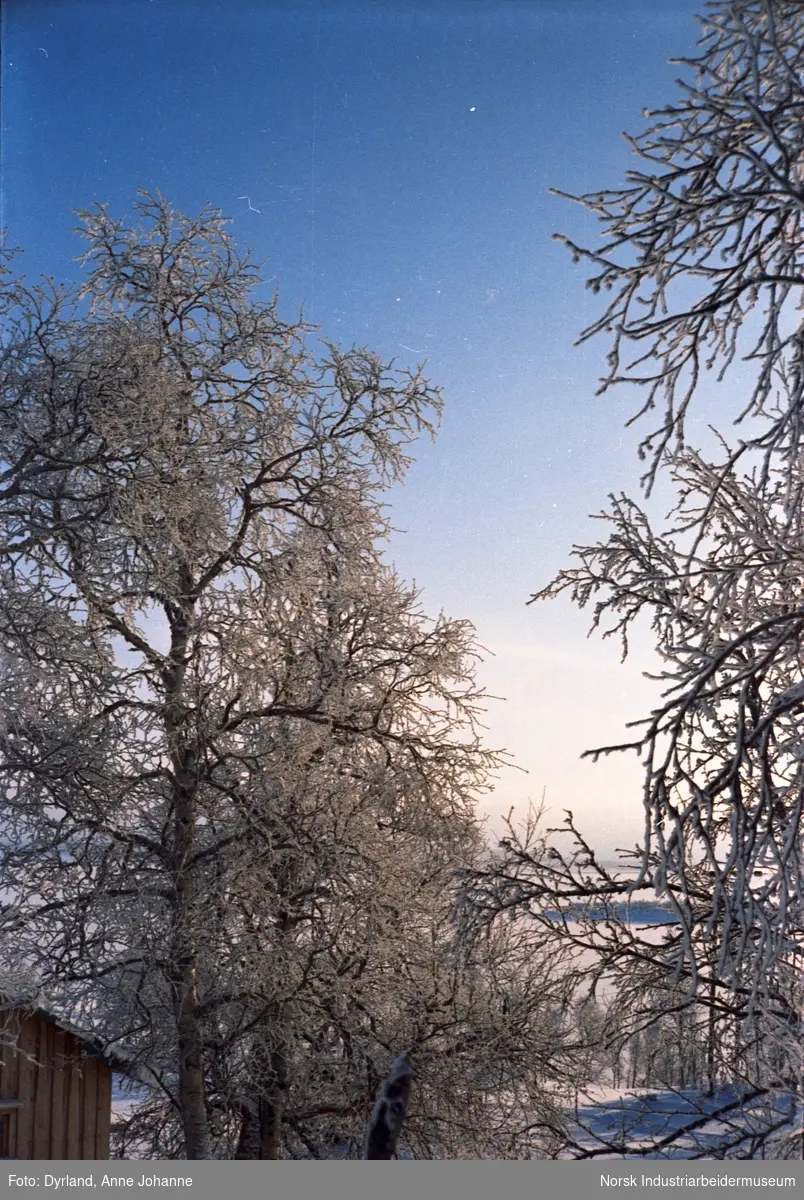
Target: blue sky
[{"x": 399, "y": 153}]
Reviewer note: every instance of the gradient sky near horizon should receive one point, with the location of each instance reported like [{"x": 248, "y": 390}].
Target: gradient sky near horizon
[{"x": 391, "y": 160}]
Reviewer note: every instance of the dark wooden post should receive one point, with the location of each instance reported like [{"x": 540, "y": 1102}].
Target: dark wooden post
[{"x": 389, "y": 1111}]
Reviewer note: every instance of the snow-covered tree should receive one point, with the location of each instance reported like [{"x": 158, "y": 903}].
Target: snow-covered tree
[
  {"x": 238, "y": 764},
  {"x": 702, "y": 251}
]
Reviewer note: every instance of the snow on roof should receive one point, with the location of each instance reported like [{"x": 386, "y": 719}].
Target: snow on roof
[{"x": 25, "y": 997}]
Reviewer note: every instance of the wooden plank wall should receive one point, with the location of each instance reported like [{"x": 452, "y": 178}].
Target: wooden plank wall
[{"x": 64, "y": 1096}]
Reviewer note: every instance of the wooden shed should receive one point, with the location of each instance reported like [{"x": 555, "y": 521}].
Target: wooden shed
[{"x": 55, "y": 1087}]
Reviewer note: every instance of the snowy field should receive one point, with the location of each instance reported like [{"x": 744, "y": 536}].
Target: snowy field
[{"x": 645, "y": 1118}]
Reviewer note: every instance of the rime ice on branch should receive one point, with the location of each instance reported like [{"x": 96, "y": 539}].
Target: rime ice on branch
[{"x": 703, "y": 252}]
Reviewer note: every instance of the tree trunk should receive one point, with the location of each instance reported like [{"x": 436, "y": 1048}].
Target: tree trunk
[
  {"x": 248, "y": 1145},
  {"x": 272, "y": 1073},
  {"x": 183, "y": 751},
  {"x": 192, "y": 1091},
  {"x": 271, "y": 1125},
  {"x": 192, "y": 1096}
]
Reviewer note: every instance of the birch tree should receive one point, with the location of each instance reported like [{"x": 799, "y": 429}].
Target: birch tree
[
  {"x": 239, "y": 765},
  {"x": 702, "y": 255},
  {"x": 162, "y": 453}
]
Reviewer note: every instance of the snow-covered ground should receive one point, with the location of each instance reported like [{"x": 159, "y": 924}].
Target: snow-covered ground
[{"x": 645, "y": 1117}]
